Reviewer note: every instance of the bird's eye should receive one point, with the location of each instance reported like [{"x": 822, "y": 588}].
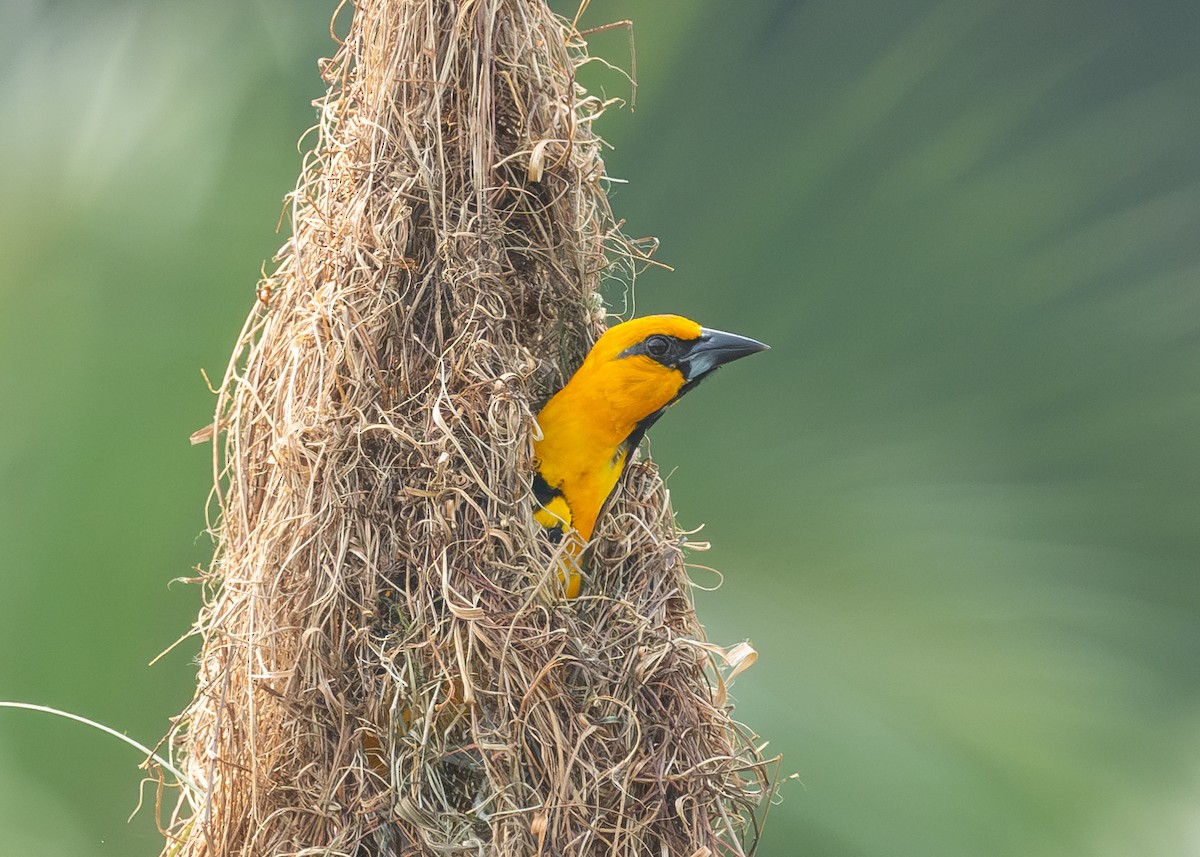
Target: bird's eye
[{"x": 658, "y": 346}]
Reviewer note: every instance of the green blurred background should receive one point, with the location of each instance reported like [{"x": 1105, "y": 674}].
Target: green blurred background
[{"x": 956, "y": 505}]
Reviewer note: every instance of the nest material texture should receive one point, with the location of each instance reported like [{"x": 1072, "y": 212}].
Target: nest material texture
[{"x": 387, "y": 665}]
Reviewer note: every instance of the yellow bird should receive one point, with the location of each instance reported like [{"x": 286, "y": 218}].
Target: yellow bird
[{"x": 590, "y": 427}]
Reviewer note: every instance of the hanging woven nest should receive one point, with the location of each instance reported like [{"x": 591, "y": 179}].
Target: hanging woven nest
[{"x": 388, "y": 667}]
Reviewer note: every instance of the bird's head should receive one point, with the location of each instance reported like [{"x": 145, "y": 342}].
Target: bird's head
[{"x": 643, "y": 365}]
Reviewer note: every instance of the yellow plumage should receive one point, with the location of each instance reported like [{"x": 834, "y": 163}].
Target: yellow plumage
[{"x": 590, "y": 427}]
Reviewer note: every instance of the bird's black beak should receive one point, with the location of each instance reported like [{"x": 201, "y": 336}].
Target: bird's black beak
[{"x": 715, "y": 348}]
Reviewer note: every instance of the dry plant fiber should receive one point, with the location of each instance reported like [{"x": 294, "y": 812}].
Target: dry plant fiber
[{"x": 388, "y": 667}]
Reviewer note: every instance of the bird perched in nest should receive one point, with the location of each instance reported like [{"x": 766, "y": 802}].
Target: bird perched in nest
[{"x": 590, "y": 428}]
